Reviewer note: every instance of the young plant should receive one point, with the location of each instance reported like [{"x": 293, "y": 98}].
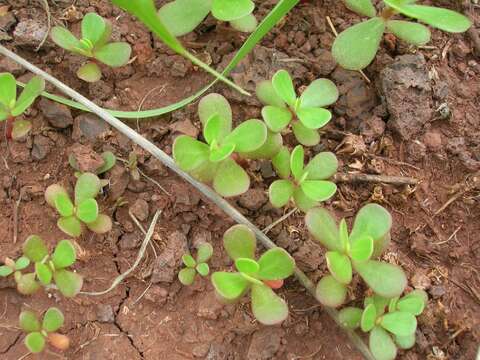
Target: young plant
[
  {"x": 258, "y": 277},
  {"x": 347, "y": 252},
  {"x": 194, "y": 266},
  {"x": 83, "y": 211},
  {"x": 306, "y": 185},
  {"x": 10, "y": 266},
  {"x": 109, "y": 161},
  {"x": 12, "y": 107},
  {"x": 48, "y": 268},
  {"x": 38, "y": 334},
  {"x": 213, "y": 161},
  {"x": 94, "y": 44},
  {"x": 183, "y": 16},
  {"x": 357, "y": 46},
  {"x": 306, "y": 113},
  {"x": 387, "y": 330}
]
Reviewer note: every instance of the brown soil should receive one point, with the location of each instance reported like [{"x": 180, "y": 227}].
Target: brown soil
[{"x": 418, "y": 118}]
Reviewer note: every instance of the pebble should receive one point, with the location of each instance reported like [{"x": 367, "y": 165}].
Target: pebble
[
  {"x": 433, "y": 140},
  {"x": 129, "y": 241},
  {"x": 7, "y": 65},
  {"x": 166, "y": 265},
  {"x": 30, "y": 33},
  {"x": 105, "y": 313},
  {"x": 40, "y": 147},
  {"x": 253, "y": 199},
  {"x": 185, "y": 127},
  {"x": 19, "y": 152},
  {"x": 58, "y": 115},
  {"x": 119, "y": 179},
  {"x": 209, "y": 307},
  {"x": 265, "y": 343},
  {"x": 90, "y": 127},
  {"x": 140, "y": 209}
]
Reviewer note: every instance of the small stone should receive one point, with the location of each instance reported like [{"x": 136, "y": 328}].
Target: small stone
[
  {"x": 201, "y": 237},
  {"x": 19, "y": 152},
  {"x": 266, "y": 169},
  {"x": 156, "y": 294},
  {"x": 166, "y": 265},
  {"x": 437, "y": 291},
  {"x": 58, "y": 115},
  {"x": 140, "y": 209},
  {"x": 433, "y": 140},
  {"x": 153, "y": 166},
  {"x": 253, "y": 199},
  {"x": 200, "y": 350},
  {"x": 209, "y": 307},
  {"x": 325, "y": 62},
  {"x": 265, "y": 343},
  {"x": 105, "y": 313},
  {"x": 30, "y": 33},
  {"x": 217, "y": 352},
  {"x": 10, "y": 66},
  {"x": 7, "y": 21},
  {"x": 372, "y": 128},
  {"x": 85, "y": 158},
  {"x": 185, "y": 127},
  {"x": 40, "y": 147},
  {"x": 420, "y": 280},
  {"x": 119, "y": 179},
  {"x": 90, "y": 127},
  {"x": 100, "y": 90},
  {"x": 416, "y": 150},
  {"x": 129, "y": 241}
]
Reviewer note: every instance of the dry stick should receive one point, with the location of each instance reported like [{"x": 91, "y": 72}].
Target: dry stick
[
  {"x": 386, "y": 179},
  {"x": 278, "y": 221},
  {"x": 205, "y": 190},
  {"x": 47, "y": 10}
]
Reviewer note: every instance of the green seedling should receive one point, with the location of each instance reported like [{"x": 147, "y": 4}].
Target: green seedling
[
  {"x": 48, "y": 268},
  {"x": 94, "y": 44},
  {"x": 12, "y": 107},
  {"x": 391, "y": 323},
  {"x": 109, "y": 161},
  {"x": 83, "y": 211},
  {"x": 213, "y": 161},
  {"x": 194, "y": 266},
  {"x": 132, "y": 166},
  {"x": 258, "y": 277},
  {"x": 306, "y": 185},
  {"x": 306, "y": 113},
  {"x": 183, "y": 16},
  {"x": 357, "y": 46},
  {"x": 347, "y": 252},
  {"x": 38, "y": 334},
  {"x": 11, "y": 266}
]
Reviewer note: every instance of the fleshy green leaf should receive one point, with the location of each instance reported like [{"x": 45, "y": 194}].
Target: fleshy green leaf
[
  {"x": 68, "y": 282},
  {"x": 52, "y": 192},
  {"x": 8, "y": 90},
  {"x": 212, "y": 130},
  {"x": 379, "y": 301},
  {"x": 330, "y": 292},
  {"x": 217, "y": 155},
  {"x": 269, "y": 149},
  {"x": 369, "y": 316},
  {"x": 52, "y": 320},
  {"x": 343, "y": 235},
  {"x": 247, "y": 266},
  {"x": 319, "y": 190},
  {"x": 280, "y": 192},
  {"x": 188, "y": 260},
  {"x": 320, "y": 93},
  {"x": 35, "y": 342},
  {"x": 64, "y": 254},
  {"x": 64, "y": 205},
  {"x": 297, "y": 162},
  {"x": 283, "y": 85},
  {"x": 304, "y": 135},
  {"x": 276, "y": 264},
  {"x": 31, "y": 91},
  {"x": 93, "y": 27},
  {"x": 323, "y": 226},
  {"x": 239, "y": 242},
  {"x": 21, "y": 263},
  {"x": 412, "y": 304},
  {"x": 189, "y": 153},
  {"x": 204, "y": 252},
  {"x": 28, "y": 321},
  {"x": 314, "y": 118},
  {"x": 64, "y": 38},
  {"x": 385, "y": 279},
  {"x": 362, "y": 249},
  {"x": 302, "y": 201},
  {"x": 87, "y": 211},
  {"x": 322, "y": 166},
  {"x": 70, "y": 226},
  {"x": 187, "y": 276},
  {"x": 267, "y": 94},
  {"x": 392, "y": 304},
  {"x": 21, "y": 128},
  {"x": 399, "y": 323},
  {"x": 350, "y": 317},
  {"x": 89, "y": 72},
  {"x": 248, "y": 136},
  {"x": 34, "y": 248},
  {"x": 182, "y": 16},
  {"x": 356, "y": 47},
  {"x": 87, "y": 187},
  {"x": 281, "y": 163},
  {"x": 102, "y": 225},
  {"x": 339, "y": 266},
  {"x": 109, "y": 160},
  {"x": 381, "y": 344},
  {"x": 276, "y": 118},
  {"x": 216, "y": 104},
  {"x": 114, "y": 54},
  {"x": 267, "y": 307},
  {"x": 43, "y": 272},
  {"x": 405, "y": 342},
  {"x": 230, "y": 179},
  {"x": 413, "y": 33},
  {"x": 26, "y": 284},
  {"x": 362, "y": 7},
  {"x": 230, "y": 286},
  {"x": 245, "y": 24},
  {"x": 228, "y": 10},
  {"x": 203, "y": 269}
]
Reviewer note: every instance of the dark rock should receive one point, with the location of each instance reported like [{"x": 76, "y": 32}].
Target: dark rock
[
  {"x": 90, "y": 127},
  {"x": 137, "y": 186},
  {"x": 119, "y": 179},
  {"x": 154, "y": 167},
  {"x": 58, "y": 115},
  {"x": 7, "y": 65},
  {"x": 209, "y": 307},
  {"x": 201, "y": 237},
  {"x": 253, "y": 199},
  {"x": 129, "y": 241},
  {"x": 85, "y": 158},
  {"x": 266, "y": 169},
  {"x": 166, "y": 265},
  {"x": 41, "y": 147},
  {"x": 105, "y": 313},
  {"x": 407, "y": 91},
  {"x": 140, "y": 209},
  {"x": 265, "y": 343},
  {"x": 30, "y": 33},
  {"x": 437, "y": 291}
]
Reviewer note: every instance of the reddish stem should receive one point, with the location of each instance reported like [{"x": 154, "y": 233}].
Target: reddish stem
[{"x": 9, "y": 127}]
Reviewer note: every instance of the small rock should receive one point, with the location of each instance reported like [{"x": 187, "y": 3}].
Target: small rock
[
  {"x": 19, "y": 152},
  {"x": 420, "y": 280},
  {"x": 30, "y": 33},
  {"x": 100, "y": 90},
  {"x": 105, "y": 313},
  {"x": 85, "y": 158},
  {"x": 217, "y": 352},
  {"x": 185, "y": 127},
  {"x": 266, "y": 169},
  {"x": 156, "y": 294},
  {"x": 137, "y": 186},
  {"x": 40, "y": 147},
  {"x": 140, "y": 209},
  {"x": 201, "y": 237},
  {"x": 437, "y": 291},
  {"x": 253, "y": 199},
  {"x": 168, "y": 262},
  {"x": 200, "y": 350},
  {"x": 58, "y": 115},
  {"x": 153, "y": 166},
  {"x": 90, "y": 127},
  {"x": 10, "y": 66},
  {"x": 433, "y": 140},
  {"x": 265, "y": 343},
  {"x": 209, "y": 307},
  {"x": 372, "y": 128},
  {"x": 119, "y": 179},
  {"x": 325, "y": 62},
  {"x": 129, "y": 241}
]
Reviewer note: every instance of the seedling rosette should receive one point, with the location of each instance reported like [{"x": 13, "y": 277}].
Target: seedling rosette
[
  {"x": 212, "y": 162},
  {"x": 387, "y": 329},
  {"x": 83, "y": 211},
  {"x": 357, "y": 46},
  {"x": 306, "y": 185},
  {"x": 183, "y": 16},
  {"x": 306, "y": 113},
  {"x": 347, "y": 252},
  {"x": 10, "y": 266},
  {"x": 258, "y": 277},
  {"x": 11, "y": 107},
  {"x": 94, "y": 44},
  {"x": 194, "y": 266},
  {"x": 38, "y": 334}
]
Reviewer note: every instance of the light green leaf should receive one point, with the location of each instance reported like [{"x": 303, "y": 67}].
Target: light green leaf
[
  {"x": 21, "y": 128},
  {"x": 28, "y": 321},
  {"x": 212, "y": 130},
  {"x": 304, "y": 135},
  {"x": 230, "y": 286},
  {"x": 187, "y": 276},
  {"x": 267, "y": 95},
  {"x": 8, "y": 90},
  {"x": 320, "y": 93},
  {"x": 283, "y": 85},
  {"x": 221, "y": 153},
  {"x": 319, "y": 190},
  {"x": 87, "y": 187},
  {"x": 93, "y": 27},
  {"x": 89, "y": 72},
  {"x": 323, "y": 226},
  {"x": 413, "y": 33},
  {"x": 381, "y": 344},
  {"x": 248, "y": 136},
  {"x": 204, "y": 252},
  {"x": 64, "y": 254},
  {"x": 362, "y": 249},
  {"x": 70, "y": 226},
  {"x": 399, "y": 323},
  {"x": 297, "y": 162},
  {"x": 281, "y": 163},
  {"x": 109, "y": 162},
  {"x": 385, "y": 279},
  {"x": 302, "y": 201},
  {"x": 330, "y": 292},
  {"x": 68, "y": 282},
  {"x": 216, "y": 104},
  {"x": 392, "y": 304},
  {"x": 269, "y": 149},
  {"x": 280, "y": 192},
  {"x": 245, "y": 24},
  {"x": 239, "y": 242},
  {"x": 267, "y": 307},
  {"x": 276, "y": 264},
  {"x": 322, "y": 166},
  {"x": 350, "y": 317},
  {"x": 31, "y": 91},
  {"x": 405, "y": 342},
  {"x": 276, "y": 118},
  {"x": 314, "y": 118},
  {"x": 369, "y": 316},
  {"x": 356, "y": 46},
  {"x": 189, "y": 153},
  {"x": 52, "y": 192},
  {"x": 22, "y": 262},
  {"x": 114, "y": 54},
  {"x": 203, "y": 269},
  {"x": 43, "y": 272},
  {"x": 87, "y": 211},
  {"x": 26, "y": 284},
  {"x": 64, "y": 38},
  {"x": 52, "y": 320},
  {"x": 339, "y": 266},
  {"x": 228, "y": 10},
  {"x": 230, "y": 179},
  {"x": 35, "y": 342},
  {"x": 64, "y": 205},
  {"x": 247, "y": 266},
  {"x": 34, "y": 248},
  {"x": 379, "y": 301},
  {"x": 413, "y": 304},
  {"x": 362, "y": 7},
  {"x": 102, "y": 225},
  {"x": 5, "y": 271},
  {"x": 182, "y": 16},
  {"x": 343, "y": 235},
  {"x": 189, "y": 261}
]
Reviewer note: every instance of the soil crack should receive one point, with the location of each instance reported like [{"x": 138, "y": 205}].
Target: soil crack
[{"x": 12, "y": 344}]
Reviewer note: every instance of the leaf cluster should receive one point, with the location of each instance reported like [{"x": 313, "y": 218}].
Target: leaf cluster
[
  {"x": 96, "y": 34},
  {"x": 357, "y": 46},
  {"x": 273, "y": 267},
  {"x": 194, "y": 266},
  {"x": 11, "y": 106},
  {"x": 369, "y": 237},
  {"x": 306, "y": 185},
  {"x": 83, "y": 211},
  {"x": 391, "y": 323},
  {"x": 182, "y": 16},
  {"x": 306, "y": 113},
  {"x": 39, "y": 333}
]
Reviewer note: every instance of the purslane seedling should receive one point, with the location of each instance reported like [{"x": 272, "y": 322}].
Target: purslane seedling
[
  {"x": 212, "y": 162},
  {"x": 183, "y": 16},
  {"x": 83, "y": 211},
  {"x": 94, "y": 44},
  {"x": 391, "y": 323},
  {"x": 357, "y": 46},
  {"x": 109, "y": 161},
  {"x": 306, "y": 113},
  {"x": 258, "y": 277},
  {"x": 38, "y": 334},
  {"x": 194, "y": 266},
  {"x": 306, "y": 185},
  {"x": 12, "y": 107},
  {"x": 369, "y": 237}
]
